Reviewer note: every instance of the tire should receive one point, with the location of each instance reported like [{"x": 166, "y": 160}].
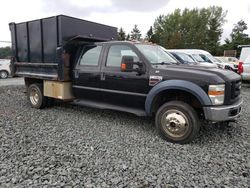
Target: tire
[
  {"x": 35, "y": 96},
  {"x": 177, "y": 122},
  {"x": 4, "y": 74}
]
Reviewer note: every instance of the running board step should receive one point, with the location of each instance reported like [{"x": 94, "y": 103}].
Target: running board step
[{"x": 106, "y": 106}]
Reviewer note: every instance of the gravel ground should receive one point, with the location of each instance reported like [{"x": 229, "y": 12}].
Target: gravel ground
[
  {"x": 74, "y": 146},
  {"x": 11, "y": 81}
]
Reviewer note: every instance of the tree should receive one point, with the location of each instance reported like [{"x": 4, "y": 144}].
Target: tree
[
  {"x": 5, "y": 52},
  {"x": 195, "y": 28},
  {"x": 121, "y": 34},
  {"x": 237, "y": 37},
  {"x": 149, "y": 34},
  {"x": 214, "y": 32},
  {"x": 135, "y": 33},
  {"x": 128, "y": 37},
  {"x": 239, "y": 29}
]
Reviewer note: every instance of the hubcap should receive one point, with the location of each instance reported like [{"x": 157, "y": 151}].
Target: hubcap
[
  {"x": 34, "y": 96},
  {"x": 175, "y": 123}
]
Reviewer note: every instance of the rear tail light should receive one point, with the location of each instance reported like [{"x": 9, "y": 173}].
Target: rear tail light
[{"x": 240, "y": 67}]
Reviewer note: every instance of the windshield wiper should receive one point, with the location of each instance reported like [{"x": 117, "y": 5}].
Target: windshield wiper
[
  {"x": 192, "y": 63},
  {"x": 164, "y": 63}
]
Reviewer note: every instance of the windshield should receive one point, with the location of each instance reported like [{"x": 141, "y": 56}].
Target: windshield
[
  {"x": 155, "y": 54},
  {"x": 211, "y": 58},
  {"x": 198, "y": 58},
  {"x": 185, "y": 57}
]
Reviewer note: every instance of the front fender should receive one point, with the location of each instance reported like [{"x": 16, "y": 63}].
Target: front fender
[{"x": 187, "y": 86}]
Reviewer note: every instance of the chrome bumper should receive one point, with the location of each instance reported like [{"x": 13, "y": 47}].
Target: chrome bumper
[{"x": 223, "y": 113}]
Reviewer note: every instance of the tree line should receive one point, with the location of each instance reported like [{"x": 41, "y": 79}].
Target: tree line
[
  {"x": 5, "y": 52},
  {"x": 194, "y": 29}
]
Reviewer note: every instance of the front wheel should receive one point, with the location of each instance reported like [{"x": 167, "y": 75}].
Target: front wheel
[
  {"x": 35, "y": 96},
  {"x": 178, "y": 122}
]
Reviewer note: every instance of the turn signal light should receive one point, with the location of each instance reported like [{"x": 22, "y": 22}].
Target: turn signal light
[
  {"x": 123, "y": 66},
  {"x": 215, "y": 93}
]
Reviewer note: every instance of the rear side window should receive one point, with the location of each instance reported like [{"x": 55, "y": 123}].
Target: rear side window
[
  {"x": 116, "y": 53},
  {"x": 91, "y": 55}
]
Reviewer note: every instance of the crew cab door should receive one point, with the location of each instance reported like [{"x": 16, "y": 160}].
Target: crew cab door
[
  {"x": 128, "y": 89},
  {"x": 86, "y": 74}
]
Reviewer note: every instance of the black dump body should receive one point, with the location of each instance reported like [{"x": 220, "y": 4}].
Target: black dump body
[{"x": 39, "y": 46}]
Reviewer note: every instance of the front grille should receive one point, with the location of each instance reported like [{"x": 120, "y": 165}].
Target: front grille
[
  {"x": 235, "y": 89},
  {"x": 232, "y": 92}
]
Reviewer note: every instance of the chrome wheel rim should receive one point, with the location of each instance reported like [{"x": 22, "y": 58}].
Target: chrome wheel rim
[
  {"x": 175, "y": 123},
  {"x": 34, "y": 96}
]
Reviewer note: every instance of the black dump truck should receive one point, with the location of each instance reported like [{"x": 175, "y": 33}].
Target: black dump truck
[{"x": 79, "y": 61}]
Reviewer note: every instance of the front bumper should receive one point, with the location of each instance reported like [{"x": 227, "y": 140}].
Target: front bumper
[{"x": 223, "y": 113}]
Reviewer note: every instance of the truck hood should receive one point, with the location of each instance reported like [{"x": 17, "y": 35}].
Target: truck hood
[{"x": 197, "y": 74}]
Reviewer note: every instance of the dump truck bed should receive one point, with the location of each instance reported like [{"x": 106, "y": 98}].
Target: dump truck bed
[{"x": 38, "y": 45}]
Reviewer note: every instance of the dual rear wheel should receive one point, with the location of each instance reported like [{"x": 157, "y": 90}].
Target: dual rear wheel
[{"x": 36, "y": 98}]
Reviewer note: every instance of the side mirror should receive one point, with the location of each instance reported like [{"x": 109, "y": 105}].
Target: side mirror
[{"x": 128, "y": 65}]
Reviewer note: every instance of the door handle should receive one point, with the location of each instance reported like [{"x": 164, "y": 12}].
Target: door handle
[
  {"x": 76, "y": 73},
  {"x": 103, "y": 76}
]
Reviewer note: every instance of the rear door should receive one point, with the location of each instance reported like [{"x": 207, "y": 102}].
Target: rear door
[{"x": 86, "y": 75}]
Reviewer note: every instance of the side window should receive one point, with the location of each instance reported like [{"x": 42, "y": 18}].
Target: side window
[
  {"x": 91, "y": 55},
  {"x": 115, "y": 55}
]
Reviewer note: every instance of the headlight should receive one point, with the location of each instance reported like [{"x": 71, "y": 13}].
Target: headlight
[{"x": 217, "y": 94}]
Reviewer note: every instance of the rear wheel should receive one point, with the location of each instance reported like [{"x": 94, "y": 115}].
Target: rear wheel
[
  {"x": 4, "y": 74},
  {"x": 36, "y": 97},
  {"x": 178, "y": 122}
]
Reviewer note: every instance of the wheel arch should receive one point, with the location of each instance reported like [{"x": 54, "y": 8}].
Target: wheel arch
[
  {"x": 176, "y": 85},
  {"x": 28, "y": 81}
]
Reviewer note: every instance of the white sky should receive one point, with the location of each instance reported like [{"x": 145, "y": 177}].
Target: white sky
[{"x": 118, "y": 13}]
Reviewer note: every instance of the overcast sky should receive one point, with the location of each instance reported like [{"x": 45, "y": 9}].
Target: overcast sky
[{"x": 118, "y": 13}]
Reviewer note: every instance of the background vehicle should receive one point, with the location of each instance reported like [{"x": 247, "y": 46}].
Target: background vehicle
[
  {"x": 188, "y": 59},
  {"x": 92, "y": 70},
  {"x": 230, "y": 63},
  {"x": 4, "y": 68},
  {"x": 200, "y": 56},
  {"x": 207, "y": 57},
  {"x": 244, "y": 65}
]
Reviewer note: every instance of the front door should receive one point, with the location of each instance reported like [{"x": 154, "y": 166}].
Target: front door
[{"x": 128, "y": 89}]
